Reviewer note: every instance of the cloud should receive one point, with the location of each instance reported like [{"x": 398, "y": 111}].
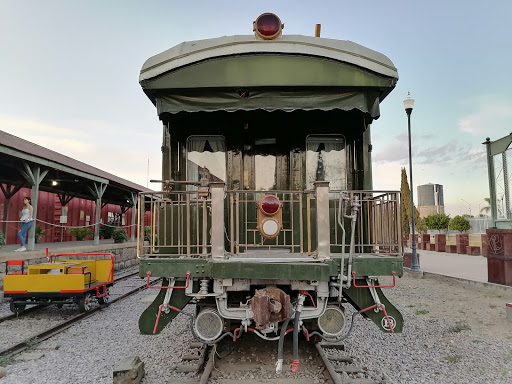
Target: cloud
[
  {"x": 489, "y": 118},
  {"x": 398, "y": 149},
  {"x": 96, "y": 143}
]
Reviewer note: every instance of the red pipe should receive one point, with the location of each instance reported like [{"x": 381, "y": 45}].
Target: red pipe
[
  {"x": 372, "y": 286},
  {"x": 387, "y": 318},
  {"x": 295, "y": 366},
  {"x": 160, "y": 313},
  {"x": 306, "y": 332},
  {"x": 162, "y": 287},
  {"x": 235, "y": 333},
  {"x": 308, "y": 294},
  {"x": 385, "y": 314}
]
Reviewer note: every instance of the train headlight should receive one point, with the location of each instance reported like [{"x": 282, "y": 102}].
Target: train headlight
[
  {"x": 267, "y": 26},
  {"x": 269, "y": 216}
]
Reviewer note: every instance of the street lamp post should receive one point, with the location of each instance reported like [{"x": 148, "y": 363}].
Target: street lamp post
[
  {"x": 409, "y": 105},
  {"x": 469, "y": 205}
]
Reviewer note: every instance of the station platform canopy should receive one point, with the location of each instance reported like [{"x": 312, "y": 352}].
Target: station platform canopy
[{"x": 23, "y": 162}]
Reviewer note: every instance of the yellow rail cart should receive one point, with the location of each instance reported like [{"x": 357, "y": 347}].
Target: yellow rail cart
[{"x": 64, "y": 279}]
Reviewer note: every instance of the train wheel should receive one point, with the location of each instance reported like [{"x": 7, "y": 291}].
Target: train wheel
[
  {"x": 104, "y": 299},
  {"x": 85, "y": 303},
  {"x": 17, "y": 308}
]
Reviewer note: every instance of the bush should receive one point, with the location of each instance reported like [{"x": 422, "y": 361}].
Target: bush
[
  {"x": 80, "y": 233},
  {"x": 460, "y": 224},
  {"x": 120, "y": 236},
  {"x": 437, "y": 221},
  {"x": 39, "y": 233},
  {"x": 2, "y": 238},
  {"x": 107, "y": 231},
  {"x": 147, "y": 233}
]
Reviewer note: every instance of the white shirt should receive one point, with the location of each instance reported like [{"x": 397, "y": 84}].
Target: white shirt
[{"x": 25, "y": 215}]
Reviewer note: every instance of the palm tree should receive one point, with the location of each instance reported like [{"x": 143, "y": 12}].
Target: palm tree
[{"x": 486, "y": 209}]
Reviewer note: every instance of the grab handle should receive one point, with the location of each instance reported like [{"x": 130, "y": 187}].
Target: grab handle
[
  {"x": 166, "y": 287},
  {"x": 393, "y": 273}
]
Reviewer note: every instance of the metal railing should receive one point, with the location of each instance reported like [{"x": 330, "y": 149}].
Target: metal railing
[
  {"x": 190, "y": 223},
  {"x": 378, "y": 228},
  {"x": 180, "y": 222}
]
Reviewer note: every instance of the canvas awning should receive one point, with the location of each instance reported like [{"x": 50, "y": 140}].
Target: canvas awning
[{"x": 244, "y": 73}]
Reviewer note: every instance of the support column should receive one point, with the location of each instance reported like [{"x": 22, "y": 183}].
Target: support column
[
  {"x": 166, "y": 154},
  {"x": 8, "y": 193},
  {"x": 34, "y": 175},
  {"x": 322, "y": 219},
  {"x": 97, "y": 192},
  {"x": 133, "y": 200},
  {"x": 64, "y": 200},
  {"x": 217, "y": 193},
  {"x": 492, "y": 181},
  {"x": 505, "y": 184}
]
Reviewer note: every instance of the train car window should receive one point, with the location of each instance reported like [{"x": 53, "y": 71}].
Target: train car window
[
  {"x": 326, "y": 160},
  {"x": 206, "y": 157},
  {"x": 265, "y": 163}
]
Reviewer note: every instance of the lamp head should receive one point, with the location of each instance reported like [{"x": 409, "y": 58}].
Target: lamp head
[{"x": 408, "y": 103}]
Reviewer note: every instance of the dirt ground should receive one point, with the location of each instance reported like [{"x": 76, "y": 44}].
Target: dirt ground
[{"x": 483, "y": 310}]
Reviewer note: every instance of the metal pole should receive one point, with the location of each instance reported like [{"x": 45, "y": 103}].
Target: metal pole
[
  {"x": 492, "y": 181},
  {"x": 415, "y": 265}
]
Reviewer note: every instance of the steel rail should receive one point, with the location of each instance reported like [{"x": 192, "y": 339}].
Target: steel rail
[
  {"x": 330, "y": 369},
  {"x": 30, "y": 342}
]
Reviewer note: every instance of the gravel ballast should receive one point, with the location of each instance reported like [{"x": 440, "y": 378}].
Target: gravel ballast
[{"x": 453, "y": 333}]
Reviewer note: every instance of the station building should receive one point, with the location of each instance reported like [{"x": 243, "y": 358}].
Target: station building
[{"x": 65, "y": 193}]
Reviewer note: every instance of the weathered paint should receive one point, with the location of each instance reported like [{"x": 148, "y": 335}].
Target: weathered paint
[
  {"x": 363, "y": 265},
  {"x": 361, "y": 298},
  {"x": 148, "y": 318}
]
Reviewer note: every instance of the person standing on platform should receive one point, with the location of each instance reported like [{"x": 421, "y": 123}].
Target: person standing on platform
[{"x": 27, "y": 220}]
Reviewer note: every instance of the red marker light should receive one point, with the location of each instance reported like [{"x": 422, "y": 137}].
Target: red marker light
[
  {"x": 268, "y": 26},
  {"x": 269, "y": 205}
]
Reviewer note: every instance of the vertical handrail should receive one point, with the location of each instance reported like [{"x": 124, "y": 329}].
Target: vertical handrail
[
  {"x": 322, "y": 219},
  {"x": 217, "y": 239},
  {"x": 301, "y": 224},
  {"x": 187, "y": 217}
]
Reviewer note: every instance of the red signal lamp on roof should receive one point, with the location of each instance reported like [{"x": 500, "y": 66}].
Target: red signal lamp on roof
[{"x": 267, "y": 26}]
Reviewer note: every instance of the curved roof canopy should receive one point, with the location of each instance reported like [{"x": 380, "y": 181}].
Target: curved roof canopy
[
  {"x": 73, "y": 177},
  {"x": 244, "y": 73}
]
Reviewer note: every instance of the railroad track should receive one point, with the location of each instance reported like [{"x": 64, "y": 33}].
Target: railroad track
[
  {"x": 253, "y": 361},
  {"x": 36, "y": 339}
]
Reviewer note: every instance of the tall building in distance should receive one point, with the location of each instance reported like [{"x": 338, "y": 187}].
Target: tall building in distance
[{"x": 430, "y": 199}]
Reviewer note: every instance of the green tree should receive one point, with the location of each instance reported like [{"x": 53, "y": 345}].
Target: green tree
[
  {"x": 486, "y": 209},
  {"x": 437, "y": 221},
  {"x": 459, "y": 223},
  {"x": 405, "y": 208}
]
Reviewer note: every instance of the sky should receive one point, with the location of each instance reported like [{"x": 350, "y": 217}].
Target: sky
[{"x": 69, "y": 78}]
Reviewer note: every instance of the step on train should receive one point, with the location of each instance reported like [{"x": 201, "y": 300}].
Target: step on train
[{"x": 267, "y": 219}]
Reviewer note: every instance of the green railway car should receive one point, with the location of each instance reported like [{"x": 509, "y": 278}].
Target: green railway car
[{"x": 266, "y": 215}]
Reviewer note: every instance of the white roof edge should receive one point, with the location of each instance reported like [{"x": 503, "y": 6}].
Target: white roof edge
[{"x": 193, "y": 51}]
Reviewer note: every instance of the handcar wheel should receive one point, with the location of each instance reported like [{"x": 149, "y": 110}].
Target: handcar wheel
[
  {"x": 104, "y": 299},
  {"x": 85, "y": 303},
  {"x": 17, "y": 308}
]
